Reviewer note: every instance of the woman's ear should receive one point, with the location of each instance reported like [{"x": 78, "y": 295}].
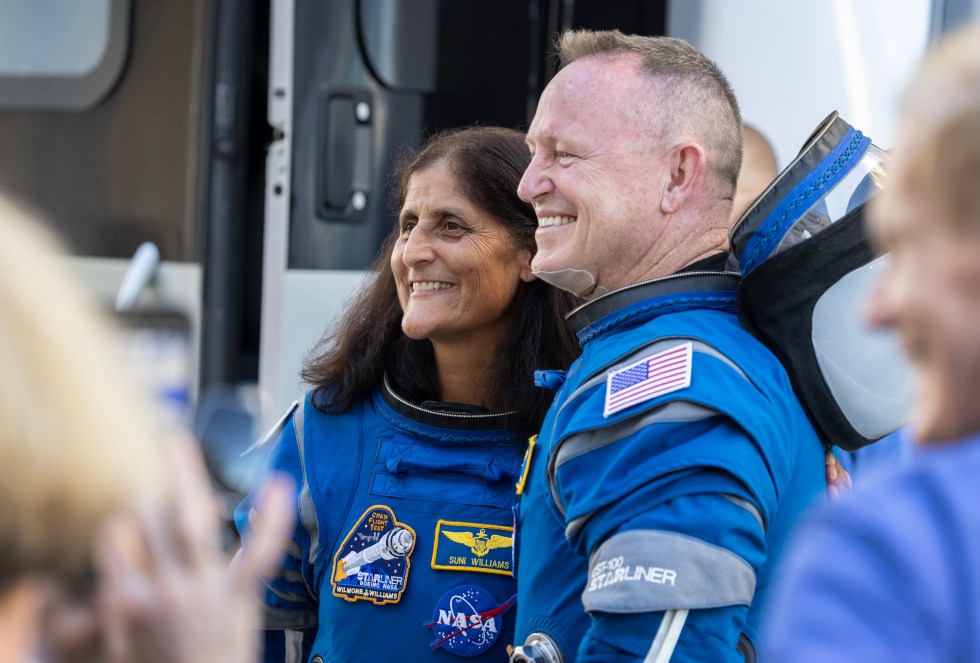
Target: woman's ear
[{"x": 526, "y": 274}]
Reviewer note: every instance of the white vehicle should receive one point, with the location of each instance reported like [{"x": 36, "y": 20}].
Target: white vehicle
[{"x": 250, "y": 140}]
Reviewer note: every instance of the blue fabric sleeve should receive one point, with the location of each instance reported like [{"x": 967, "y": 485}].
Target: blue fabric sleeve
[
  {"x": 699, "y": 640},
  {"x": 290, "y": 598},
  {"x": 683, "y": 507},
  {"x": 616, "y": 482},
  {"x": 681, "y": 553},
  {"x": 850, "y": 589},
  {"x": 720, "y": 422}
]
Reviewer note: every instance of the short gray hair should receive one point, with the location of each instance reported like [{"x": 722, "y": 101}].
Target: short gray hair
[{"x": 697, "y": 95}]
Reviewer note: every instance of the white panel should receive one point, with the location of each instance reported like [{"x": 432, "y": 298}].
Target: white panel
[
  {"x": 297, "y": 305},
  {"x": 791, "y": 63},
  {"x": 53, "y": 37},
  {"x": 278, "y": 178},
  {"x": 312, "y": 301},
  {"x": 176, "y": 285}
]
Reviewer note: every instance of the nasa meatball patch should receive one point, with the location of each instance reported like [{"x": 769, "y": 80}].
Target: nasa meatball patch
[
  {"x": 467, "y": 620},
  {"x": 373, "y": 561}
]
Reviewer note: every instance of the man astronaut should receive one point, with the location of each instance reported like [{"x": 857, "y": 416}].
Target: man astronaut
[{"x": 676, "y": 456}]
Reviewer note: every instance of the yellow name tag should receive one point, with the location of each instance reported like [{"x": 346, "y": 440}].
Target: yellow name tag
[{"x": 476, "y": 547}]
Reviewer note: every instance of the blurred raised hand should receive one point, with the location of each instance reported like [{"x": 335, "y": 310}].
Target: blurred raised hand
[
  {"x": 838, "y": 480},
  {"x": 166, "y": 592}
]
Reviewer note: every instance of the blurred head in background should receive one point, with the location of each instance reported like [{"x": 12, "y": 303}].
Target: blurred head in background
[
  {"x": 76, "y": 444},
  {"x": 758, "y": 170},
  {"x": 928, "y": 219}
]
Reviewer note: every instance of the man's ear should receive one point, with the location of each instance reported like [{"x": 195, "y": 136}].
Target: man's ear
[{"x": 686, "y": 163}]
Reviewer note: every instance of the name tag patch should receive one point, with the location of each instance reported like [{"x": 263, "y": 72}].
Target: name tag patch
[
  {"x": 373, "y": 561},
  {"x": 656, "y": 375},
  {"x": 467, "y": 620},
  {"x": 472, "y": 547}
]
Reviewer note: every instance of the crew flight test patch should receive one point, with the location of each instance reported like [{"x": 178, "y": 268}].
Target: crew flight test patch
[
  {"x": 656, "y": 375},
  {"x": 373, "y": 561}
]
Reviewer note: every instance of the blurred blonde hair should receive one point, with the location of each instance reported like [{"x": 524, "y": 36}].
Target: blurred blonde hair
[
  {"x": 76, "y": 442},
  {"x": 943, "y": 103}
]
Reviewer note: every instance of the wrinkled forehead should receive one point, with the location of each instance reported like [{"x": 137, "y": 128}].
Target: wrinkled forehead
[
  {"x": 592, "y": 91},
  {"x": 612, "y": 73},
  {"x": 436, "y": 178}
]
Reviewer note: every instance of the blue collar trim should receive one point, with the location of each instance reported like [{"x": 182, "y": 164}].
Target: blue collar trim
[{"x": 642, "y": 301}]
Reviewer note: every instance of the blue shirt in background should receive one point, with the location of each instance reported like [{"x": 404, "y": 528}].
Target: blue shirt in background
[{"x": 890, "y": 573}]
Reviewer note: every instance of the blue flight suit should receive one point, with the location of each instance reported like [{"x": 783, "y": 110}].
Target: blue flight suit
[
  {"x": 652, "y": 523},
  {"x": 403, "y": 545}
]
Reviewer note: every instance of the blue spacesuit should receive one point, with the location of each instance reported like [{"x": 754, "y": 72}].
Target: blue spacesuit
[
  {"x": 667, "y": 473},
  {"x": 403, "y": 546}
]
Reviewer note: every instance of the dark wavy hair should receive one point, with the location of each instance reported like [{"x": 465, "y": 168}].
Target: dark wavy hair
[{"x": 345, "y": 366}]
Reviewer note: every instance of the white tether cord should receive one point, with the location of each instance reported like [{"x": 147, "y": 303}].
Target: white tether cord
[{"x": 667, "y": 635}]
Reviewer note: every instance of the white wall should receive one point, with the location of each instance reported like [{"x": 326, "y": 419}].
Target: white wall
[
  {"x": 792, "y": 62},
  {"x": 312, "y": 303}
]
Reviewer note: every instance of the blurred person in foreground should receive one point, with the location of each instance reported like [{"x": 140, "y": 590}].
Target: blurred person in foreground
[
  {"x": 757, "y": 172},
  {"x": 676, "y": 456},
  {"x": 893, "y": 573},
  {"x": 104, "y": 555},
  {"x": 408, "y": 447}
]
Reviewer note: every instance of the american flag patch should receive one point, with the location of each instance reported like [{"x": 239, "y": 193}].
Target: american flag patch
[{"x": 648, "y": 378}]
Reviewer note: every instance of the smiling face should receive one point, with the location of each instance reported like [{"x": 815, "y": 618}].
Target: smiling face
[
  {"x": 457, "y": 268},
  {"x": 596, "y": 178},
  {"x": 930, "y": 292}
]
